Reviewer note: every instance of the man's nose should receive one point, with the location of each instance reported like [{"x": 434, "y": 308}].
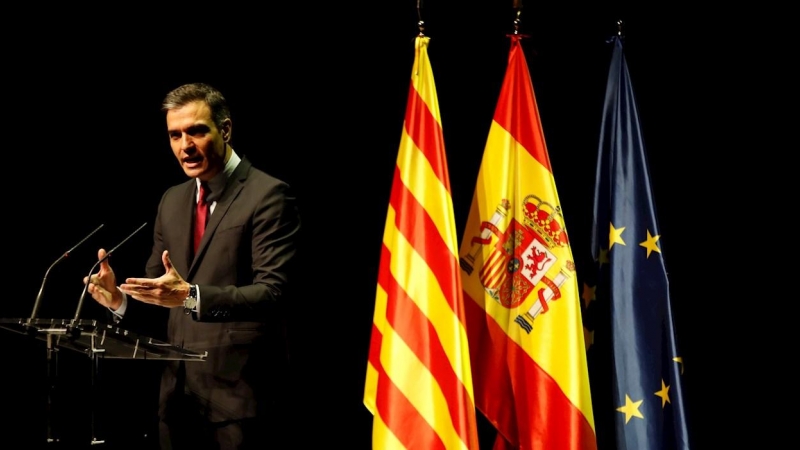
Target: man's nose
[{"x": 186, "y": 142}]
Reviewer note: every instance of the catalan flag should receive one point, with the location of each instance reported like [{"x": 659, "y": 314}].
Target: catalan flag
[
  {"x": 520, "y": 285},
  {"x": 419, "y": 381},
  {"x": 630, "y": 282}
]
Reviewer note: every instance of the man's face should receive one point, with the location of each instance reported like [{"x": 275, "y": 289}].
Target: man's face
[{"x": 196, "y": 141}]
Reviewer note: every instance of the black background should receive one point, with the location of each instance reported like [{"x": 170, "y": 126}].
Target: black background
[{"x": 318, "y": 94}]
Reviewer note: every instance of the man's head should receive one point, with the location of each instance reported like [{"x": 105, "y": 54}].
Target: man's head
[{"x": 199, "y": 128}]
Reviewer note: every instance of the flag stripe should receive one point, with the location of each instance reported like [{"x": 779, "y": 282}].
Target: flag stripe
[
  {"x": 425, "y": 338},
  {"x": 384, "y": 439},
  {"x": 416, "y": 225},
  {"x": 496, "y": 403},
  {"x": 421, "y": 173},
  {"x": 424, "y": 129},
  {"x": 407, "y": 426},
  {"x": 523, "y": 124},
  {"x": 554, "y": 421}
]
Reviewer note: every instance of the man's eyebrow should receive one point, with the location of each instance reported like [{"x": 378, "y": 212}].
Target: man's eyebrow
[{"x": 198, "y": 127}]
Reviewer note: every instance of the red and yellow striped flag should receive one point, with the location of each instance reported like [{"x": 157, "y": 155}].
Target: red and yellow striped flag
[
  {"x": 419, "y": 382},
  {"x": 521, "y": 295}
]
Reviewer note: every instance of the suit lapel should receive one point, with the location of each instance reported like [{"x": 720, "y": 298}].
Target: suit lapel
[{"x": 187, "y": 223}]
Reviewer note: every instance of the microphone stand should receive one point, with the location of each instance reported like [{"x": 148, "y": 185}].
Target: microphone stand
[
  {"x": 38, "y": 301},
  {"x": 52, "y": 351}
]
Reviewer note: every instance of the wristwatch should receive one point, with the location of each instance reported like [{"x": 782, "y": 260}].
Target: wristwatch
[{"x": 190, "y": 303}]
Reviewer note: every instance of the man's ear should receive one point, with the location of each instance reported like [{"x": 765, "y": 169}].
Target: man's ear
[{"x": 225, "y": 130}]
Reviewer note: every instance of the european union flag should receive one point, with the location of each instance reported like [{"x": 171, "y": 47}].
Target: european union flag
[{"x": 644, "y": 405}]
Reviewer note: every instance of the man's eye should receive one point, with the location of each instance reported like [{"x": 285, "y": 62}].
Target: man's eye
[{"x": 198, "y": 130}]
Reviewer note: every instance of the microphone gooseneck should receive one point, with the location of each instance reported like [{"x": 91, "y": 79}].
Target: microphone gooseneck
[{"x": 63, "y": 256}]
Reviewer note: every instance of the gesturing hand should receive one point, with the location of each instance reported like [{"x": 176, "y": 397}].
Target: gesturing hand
[
  {"x": 168, "y": 290},
  {"x": 103, "y": 285}
]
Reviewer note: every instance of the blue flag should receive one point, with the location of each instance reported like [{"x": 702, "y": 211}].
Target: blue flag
[{"x": 644, "y": 405}]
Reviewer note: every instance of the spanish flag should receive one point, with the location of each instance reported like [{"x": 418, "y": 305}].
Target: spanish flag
[
  {"x": 419, "y": 381},
  {"x": 520, "y": 286}
]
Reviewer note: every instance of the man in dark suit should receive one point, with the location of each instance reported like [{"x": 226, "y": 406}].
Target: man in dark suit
[{"x": 226, "y": 297}]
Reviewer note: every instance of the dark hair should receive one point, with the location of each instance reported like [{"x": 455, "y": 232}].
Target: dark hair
[{"x": 188, "y": 93}]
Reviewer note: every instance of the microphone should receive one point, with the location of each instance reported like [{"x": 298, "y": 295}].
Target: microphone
[
  {"x": 60, "y": 258},
  {"x": 86, "y": 285}
]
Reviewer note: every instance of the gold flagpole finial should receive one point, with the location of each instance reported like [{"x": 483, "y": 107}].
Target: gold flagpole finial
[
  {"x": 619, "y": 28},
  {"x": 517, "y": 21}
]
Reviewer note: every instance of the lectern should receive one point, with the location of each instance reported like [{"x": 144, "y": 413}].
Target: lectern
[
  {"x": 98, "y": 341},
  {"x": 95, "y": 339}
]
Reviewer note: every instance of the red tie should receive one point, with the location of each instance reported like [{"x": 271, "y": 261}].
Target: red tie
[{"x": 201, "y": 215}]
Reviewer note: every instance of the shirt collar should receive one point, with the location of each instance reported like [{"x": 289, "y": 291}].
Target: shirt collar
[{"x": 217, "y": 184}]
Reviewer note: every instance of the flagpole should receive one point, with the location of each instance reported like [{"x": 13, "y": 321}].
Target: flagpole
[{"x": 420, "y": 22}]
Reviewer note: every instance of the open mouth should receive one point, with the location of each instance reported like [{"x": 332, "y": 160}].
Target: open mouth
[{"x": 193, "y": 161}]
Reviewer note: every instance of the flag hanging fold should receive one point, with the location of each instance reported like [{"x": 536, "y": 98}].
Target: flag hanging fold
[
  {"x": 419, "y": 381},
  {"x": 631, "y": 283},
  {"x": 520, "y": 286}
]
